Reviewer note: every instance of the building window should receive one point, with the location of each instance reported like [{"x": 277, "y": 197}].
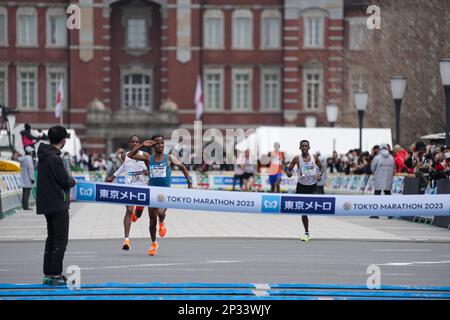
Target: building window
[
  {"x": 27, "y": 93},
  {"x": 3, "y": 86},
  {"x": 137, "y": 33},
  {"x": 3, "y": 27},
  {"x": 271, "y": 89},
  {"x": 312, "y": 88},
  {"x": 213, "y": 29},
  {"x": 242, "y": 89},
  {"x": 313, "y": 28},
  {"x": 242, "y": 29},
  {"x": 271, "y": 29},
  {"x": 26, "y": 27},
  {"x": 54, "y": 77},
  {"x": 56, "y": 28},
  {"x": 213, "y": 88},
  {"x": 359, "y": 34},
  {"x": 137, "y": 91}
]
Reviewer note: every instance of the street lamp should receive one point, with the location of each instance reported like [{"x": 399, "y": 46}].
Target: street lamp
[
  {"x": 361, "y": 104},
  {"x": 310, "y": 121},
  {"x": 445, "y": 75},
  {"x": 398, "y": 85},
  {"x": 332, "y": 112}
]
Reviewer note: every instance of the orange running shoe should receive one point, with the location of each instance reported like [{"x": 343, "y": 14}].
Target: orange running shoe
[
  {"x": 162, "y": 230},
  {"x": 133, "y": 215},
  {"x": 153, "y": 248},
  {"x": 126, "y": 245}
]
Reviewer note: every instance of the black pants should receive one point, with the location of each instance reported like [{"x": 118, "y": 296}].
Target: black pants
[
  {"x": 25, "y": 197},
  {"x": 303, "y": 189},
  {"x": 55, "y": 246}
]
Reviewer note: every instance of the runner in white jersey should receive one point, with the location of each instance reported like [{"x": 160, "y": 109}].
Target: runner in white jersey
[
  {"x": 134, "y": 174},
  {"x": 310, "y": 171}
]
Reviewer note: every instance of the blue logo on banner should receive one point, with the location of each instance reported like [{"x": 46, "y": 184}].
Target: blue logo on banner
[
  {"x": 125, "y": 195},
  {"x": 312, "y": 205},
  {"x": 223, "y": 180},
  {"x": 85, "y": 191},
  {"x": 80, "y": 178},
  {"x": 178, "y": 180},
  {"x": 121, "y": 179},
  {"x": 270, "y": 204}
]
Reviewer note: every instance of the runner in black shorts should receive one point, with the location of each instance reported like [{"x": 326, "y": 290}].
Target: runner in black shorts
[{"x": 308, "y": 176}]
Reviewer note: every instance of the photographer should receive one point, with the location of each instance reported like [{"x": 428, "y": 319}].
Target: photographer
[{"x": 53, "y": 201}]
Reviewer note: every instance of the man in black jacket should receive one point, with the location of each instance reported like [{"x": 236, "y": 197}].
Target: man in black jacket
[{"x": 53, "y": 201}]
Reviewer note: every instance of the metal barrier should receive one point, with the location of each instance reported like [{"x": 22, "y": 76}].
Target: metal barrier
[{"x": 11, "y": 194}]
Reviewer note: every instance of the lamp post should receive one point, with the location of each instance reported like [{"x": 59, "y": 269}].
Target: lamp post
[
  {"x": 445, "y": 75},
  {"x": 361, "y": 104},
  {"x": 398, "y": 85},
  {"x": 332, "y": 112}
]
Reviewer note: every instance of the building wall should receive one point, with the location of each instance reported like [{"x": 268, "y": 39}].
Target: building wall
[{"x": 94, "y": 55}]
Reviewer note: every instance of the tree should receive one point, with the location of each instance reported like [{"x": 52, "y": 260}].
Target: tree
[{"x": 414, "y": 36}]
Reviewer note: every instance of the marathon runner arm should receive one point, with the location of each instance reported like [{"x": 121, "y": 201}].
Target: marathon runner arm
[
  {"x": 291, "y": 166},
  {"x": 133, "y": 154},
  {"x": 183, "y": 168},
  {"x": 116, "y": 174},
  {"x": 321, "y": 168}
]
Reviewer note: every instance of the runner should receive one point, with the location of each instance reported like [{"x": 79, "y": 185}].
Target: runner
[
  {"x": 160, "y": 173},
  {"x": 249, "y": 172},
  {"x": 134, "y": 174},
  {"x": 276, "y": 168},
  {"x": 307, "y": 177},
  {"x": 238, "y": 171}
]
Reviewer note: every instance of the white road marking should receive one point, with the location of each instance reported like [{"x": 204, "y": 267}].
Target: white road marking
[
  {"x": 399, "y": 250},
  {"x": 159, "y": 265},
  {"x": 397, "y": 264}
]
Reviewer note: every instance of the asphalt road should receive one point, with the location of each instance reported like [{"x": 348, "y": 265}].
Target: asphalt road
[{"x": 218, "y": 260}]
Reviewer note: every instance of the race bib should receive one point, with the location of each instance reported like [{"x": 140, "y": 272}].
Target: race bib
[
  {"x": 308, "y": 170},
  {"x": 157, "y": 171},
  {"x": 135, "y": 176}
]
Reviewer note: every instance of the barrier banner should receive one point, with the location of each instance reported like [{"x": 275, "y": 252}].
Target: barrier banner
[{"x": 267, "y": 203}]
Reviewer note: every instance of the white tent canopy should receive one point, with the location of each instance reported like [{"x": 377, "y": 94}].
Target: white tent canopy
[
  {"x": 73, "y": 144},
  {"x": 324, "y": 139}
]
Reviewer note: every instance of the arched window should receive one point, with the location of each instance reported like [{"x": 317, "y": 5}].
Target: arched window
[
  {"x": 271, "y": 29},
  {"x": 56, "y": 27},
  {"x": 312, "y": 86},
  {"x": 213, "y": 29},
  {"x": 313, "y": 28},
  {"x": 3, "y": 27},
  {"x": 242, "y": 29},
  {"x": 137, "y": 91}
]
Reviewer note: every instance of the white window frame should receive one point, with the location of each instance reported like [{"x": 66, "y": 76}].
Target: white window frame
[
  {"x": 31, "y": 11},
  {"x": 357, "y": 22},
  {"x": 51, "y": 103},
  {"x": 271, "y": 71},
  {"x": 316, "y": 14},
  {"x": 213, "y": 14},
  {"x": 4, "y": 68},
  {"x": 215, "y": 71},
  {"x": 4, "y": 29},
  {"x": 35, "y": 70},
  {"x": 249, "y": 72},
  {"x": 137, "y": 69},
  {"x": 237, "y": 14},
  {"x": 137, "y": 12},
  {"x": 55, "y": 12},
  {"x": 271, "y": 14},
  {"x": 312, "y": 70}
]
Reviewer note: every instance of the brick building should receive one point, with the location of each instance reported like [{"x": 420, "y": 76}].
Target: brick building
[{"x": 133, "y": 65}]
